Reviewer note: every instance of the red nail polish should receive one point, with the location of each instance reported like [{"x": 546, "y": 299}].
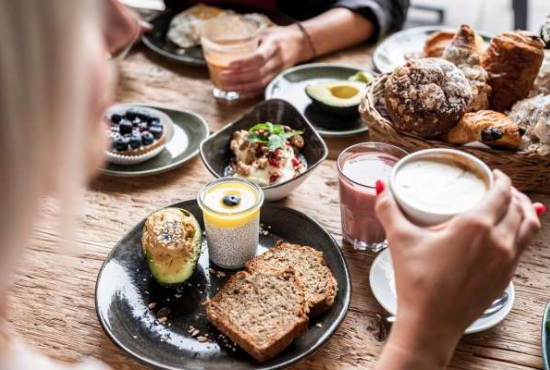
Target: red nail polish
[
  {"x": 540, "y": 209},
  {"x": 379, "y": 186}
]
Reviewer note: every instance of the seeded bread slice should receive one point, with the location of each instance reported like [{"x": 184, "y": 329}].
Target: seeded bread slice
[
  {"x": 309, "y": 264},
  {"x": 261, "y": 311}
]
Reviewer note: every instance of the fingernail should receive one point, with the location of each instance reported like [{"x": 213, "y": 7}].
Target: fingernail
[
  {"x": 540, "y": 209},
  {"x": 379, "y": 186}
]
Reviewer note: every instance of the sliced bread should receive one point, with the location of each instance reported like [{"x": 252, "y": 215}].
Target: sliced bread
[
  {"x": 262, "y": 311},
  {"x": 309, "y": 264}
]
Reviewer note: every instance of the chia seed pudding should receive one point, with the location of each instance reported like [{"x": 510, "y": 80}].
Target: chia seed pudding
[{"x": 231, "y": 212}]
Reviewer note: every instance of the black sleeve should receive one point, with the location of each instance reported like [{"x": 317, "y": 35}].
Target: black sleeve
[{"x": 386, "y": 15}]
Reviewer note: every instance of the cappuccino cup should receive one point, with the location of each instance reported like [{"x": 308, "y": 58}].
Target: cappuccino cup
[{"x": 434, "y": 185}]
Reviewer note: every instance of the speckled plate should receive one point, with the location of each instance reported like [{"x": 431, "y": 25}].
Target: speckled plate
[
  {"x": 190, "y": 130},
  {"x": 396, "y": 49},
  {"x": 291, "y": 84},
  {"x": 545, "y": 337},
  {"x": 125, "y": 289}
]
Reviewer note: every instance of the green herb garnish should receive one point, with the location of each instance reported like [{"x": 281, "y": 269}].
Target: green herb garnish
[{"x": 274, "y": 136}]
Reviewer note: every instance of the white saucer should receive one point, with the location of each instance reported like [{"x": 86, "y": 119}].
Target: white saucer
[{"x": 382, "y": 284}]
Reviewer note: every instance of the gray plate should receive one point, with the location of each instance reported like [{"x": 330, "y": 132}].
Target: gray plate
[
  {"x": 125, "y": 287},
  {"x": 395, "y": 50},
  {"x": 190, "y": 130},
  {"x": 291, "y": 84},
  {"x": 545, "y": 337}
]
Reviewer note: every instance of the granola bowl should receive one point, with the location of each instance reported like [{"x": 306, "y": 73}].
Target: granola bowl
[{"x": 218, "y": 156}]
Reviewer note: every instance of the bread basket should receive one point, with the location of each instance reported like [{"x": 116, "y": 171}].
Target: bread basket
[{"x": 528, "y": 169}]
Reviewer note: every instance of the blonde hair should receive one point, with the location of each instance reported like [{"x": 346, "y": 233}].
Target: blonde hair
[{"x": 44, "y": 47}]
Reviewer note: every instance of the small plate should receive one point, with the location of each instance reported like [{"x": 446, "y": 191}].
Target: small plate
[
  {"x": 125, "y": 288},
  {"x": 545, "y": 337},
  {"x": 290, "y": 85},
  {"x": 382, "y": 283},
  {"x": 189, "y": 130},
  {"x": 215, "y": 152},
  {"x": 394, "y": 50}
]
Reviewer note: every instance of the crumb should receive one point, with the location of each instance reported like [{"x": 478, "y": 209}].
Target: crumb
[
  {"x": 162, "y": 320},
  {"x": 319, "y": 325},
  {"x": 152, "y": 305},
  {"x": 202, "y": 339},
  {"x": 195, "y": 333},
  {"x": 221, "y": 273},
  {"x": 212, "y": 271}
]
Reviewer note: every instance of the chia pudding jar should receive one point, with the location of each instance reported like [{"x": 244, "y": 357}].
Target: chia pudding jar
[{"x": 231, "y": 213}]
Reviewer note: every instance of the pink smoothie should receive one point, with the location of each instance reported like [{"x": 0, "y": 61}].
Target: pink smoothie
[{"x": 358, "y": 196}]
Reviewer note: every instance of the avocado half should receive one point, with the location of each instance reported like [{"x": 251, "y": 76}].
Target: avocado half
[
  {"x": 340, "y": 98},
  {"x": 171, "y": 243}
]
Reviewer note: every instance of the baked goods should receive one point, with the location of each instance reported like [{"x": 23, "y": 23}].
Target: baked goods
[
  {"x": 545, "y": 32},
  {"x": 512, "y": 60},
  {"x": 465, "y": 52},
  {"x": 309, "y": 265},
  {"x": 542, "y": 82},
  {"x": 427, "y": 96},
  {"x": 261, "y": 311},
  {"x": 489, "y": 127},
  {"x": 533, "y": 115},
  {"x": 135, "y": 132},
  {"x": 267, "y": 154},
  {"x": 171, "y": 243},
  {"x": 436, "y": 43}
]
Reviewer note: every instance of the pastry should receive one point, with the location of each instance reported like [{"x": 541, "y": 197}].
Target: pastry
[
  {"x": 542, "y": 82},
  {"x": 135, "y": 132},
  {"x": 533, "y": 115},
  {"x": 489, "y": 127},
  {"x": 545, "y": 32},
  {"x": 436, "y": 43},
  {"x": 465, "y": 52},
  {"x": 427, "y": 96},
  {"x": 512, "y": 60}
]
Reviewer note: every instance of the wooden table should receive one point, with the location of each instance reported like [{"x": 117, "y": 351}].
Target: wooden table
[{"x": 53, "y": 296}]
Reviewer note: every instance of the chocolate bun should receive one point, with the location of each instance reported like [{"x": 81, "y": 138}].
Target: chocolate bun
[{"x": 427, "y": 96}]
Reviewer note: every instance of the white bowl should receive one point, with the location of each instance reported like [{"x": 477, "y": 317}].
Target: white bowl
[{"x": 424, "y": 217}]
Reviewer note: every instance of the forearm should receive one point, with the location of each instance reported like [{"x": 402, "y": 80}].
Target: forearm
[
  {"x": 412, "y": 347},
  {"x": 336, "y": 29}
]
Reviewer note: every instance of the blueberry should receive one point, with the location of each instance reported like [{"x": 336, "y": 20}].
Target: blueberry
[
  {"x": 115, "y": 118},
  {"x": 131, "y": 114},
  {"x": 156, "y": 131},
  {"x": 147, "y": 138},
  {"x": 155, "y": 123},
  {"x": 125, "y": 127},
  {"x": 231, "y": 200},
  {"x": 135, "y": 141},
  {"x": 149, "y": 118},
  {"x": 121, "y": 144},
  {"x": 142, "y": 126}
]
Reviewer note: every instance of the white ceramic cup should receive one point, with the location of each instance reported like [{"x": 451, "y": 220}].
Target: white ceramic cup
[{"x": 415, "y": 212}]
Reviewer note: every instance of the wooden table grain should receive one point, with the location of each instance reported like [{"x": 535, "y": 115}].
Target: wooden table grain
[{"x": 52, "y": 305}]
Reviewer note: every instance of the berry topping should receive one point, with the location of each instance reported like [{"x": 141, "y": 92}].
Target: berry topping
[
  {"x": 135, "y": 141},
  {"x": 295, "y": 162},
  {"x": 125, "y": 127},
  {"x": 147, "y": 138},
  {"x": 275, "y": 163},
  {"x": 131, "y": 114},
  {"x": 115, "y": 118},
  {"x": 156, "y": 131},
  {"x": 121, "y": 143},
  {"x": 273, "y": 178},
  {"x": 155, "y": 122},
  {"x": 231, "y": 200}
]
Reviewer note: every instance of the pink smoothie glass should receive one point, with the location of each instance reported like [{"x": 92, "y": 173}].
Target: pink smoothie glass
[{"x": 359, "y": 166}]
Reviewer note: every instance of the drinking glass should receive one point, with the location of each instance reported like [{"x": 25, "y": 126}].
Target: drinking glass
[
  {"x": 225, "y": 39},
  {"x": 359, "y": 166}
]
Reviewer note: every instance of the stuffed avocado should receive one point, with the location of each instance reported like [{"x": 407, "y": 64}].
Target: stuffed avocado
[
  {"x": 340, "y": 98},
  {"x": 171, "y": 244}
]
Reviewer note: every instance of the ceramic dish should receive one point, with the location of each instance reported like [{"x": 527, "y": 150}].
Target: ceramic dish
[
  {"x": 395, "y": 50},
  {"x": 290, "y": 85},
  {"x": 544, "y": 337},
  {"x": 127, "y": 160},
  {"x": 125, "y": 288},
  {"x": 382, "y": 283},
  {"x": 189, "y": 130},
  {"x": 215, "y": 151},
  {"x": 157, "y": 41}
]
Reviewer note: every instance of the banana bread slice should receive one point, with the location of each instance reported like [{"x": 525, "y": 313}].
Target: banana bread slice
[
  {"x": 261, "y": 311},
  {"x": 309, "y": 264}
]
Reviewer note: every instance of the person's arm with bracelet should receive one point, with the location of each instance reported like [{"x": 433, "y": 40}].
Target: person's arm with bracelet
[{"x": 343, "y": 24}]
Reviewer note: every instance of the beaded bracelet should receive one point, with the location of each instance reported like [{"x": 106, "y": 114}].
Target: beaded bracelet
[{"x": 309, "y": 39}]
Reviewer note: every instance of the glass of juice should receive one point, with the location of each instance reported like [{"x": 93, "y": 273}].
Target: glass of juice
[
  {"x": 225, "y": 39},
  {"x": 359, "y": 166},
  {"x": 231, "y": 213}
]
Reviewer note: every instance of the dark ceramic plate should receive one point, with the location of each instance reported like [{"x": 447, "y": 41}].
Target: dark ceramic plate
[
  {"x": 291, "y": 84},
  {"x": 157, "y": 40},
  {"x": 396, "y": 49},
  {"x": 189, "y": 130},
  {"x": 215, "y": 151},
  {"x": 545, "y": 337},
  {"x": 125, "y": 289}
]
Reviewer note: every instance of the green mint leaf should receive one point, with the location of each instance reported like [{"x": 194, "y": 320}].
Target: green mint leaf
[
  {"x": 254, "y": 138},
  {"x": 275, "y": 142},
  {"x": 297, "y": 132},
  {"x": 267, "y": 126},
  {"x": 277, "y": 129}
]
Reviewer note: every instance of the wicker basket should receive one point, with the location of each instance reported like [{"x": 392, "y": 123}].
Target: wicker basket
[{"x": 528, "y": 169}]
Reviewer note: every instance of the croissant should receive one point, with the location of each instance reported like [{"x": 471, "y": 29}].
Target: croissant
[
  {"x": 489, "y": 127},
  {"x": 512, "y": 60},
  {"x": 436, "y": 43},
  {"x": 465, "y": 52}
]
